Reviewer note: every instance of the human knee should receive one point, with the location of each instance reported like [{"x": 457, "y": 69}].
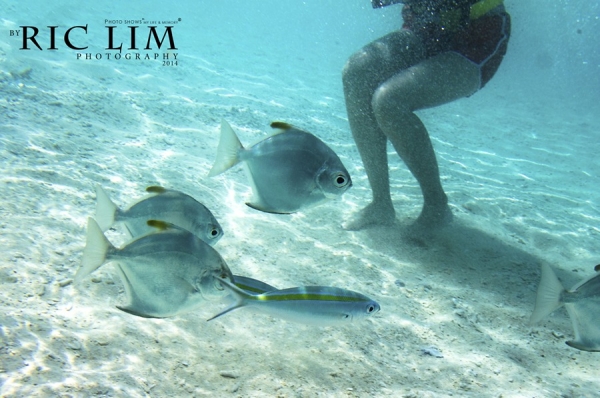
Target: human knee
[
  {"x": 358, "y": 66},
  {"x": 387, "y": 102}
]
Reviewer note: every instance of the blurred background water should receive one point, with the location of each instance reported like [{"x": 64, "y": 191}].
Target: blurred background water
[{"x": 552, "y": 57}]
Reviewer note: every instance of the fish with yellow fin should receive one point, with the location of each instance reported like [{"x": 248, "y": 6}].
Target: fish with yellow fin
[
  {"x": 165, "y": 273},
  {"x": 289, "y": 171},
  {"x": 311, "y": 305},
  {"x": 163, "y": 204}
]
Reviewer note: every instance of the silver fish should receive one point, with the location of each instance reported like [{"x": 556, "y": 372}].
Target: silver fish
[
  {"x": 163, "y": 204},
  {"x": 312, "y": 305},
  {"x": 582, "y": 302},
  {"x": 165, "y": 273},
  {"x": 289, "y": 171}
]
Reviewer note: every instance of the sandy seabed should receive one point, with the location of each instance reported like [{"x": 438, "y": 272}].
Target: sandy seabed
[{"x": 521, "y": 197}]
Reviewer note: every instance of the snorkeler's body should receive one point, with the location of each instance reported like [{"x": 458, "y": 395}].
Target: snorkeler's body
[{"x": 443, "y": 52}]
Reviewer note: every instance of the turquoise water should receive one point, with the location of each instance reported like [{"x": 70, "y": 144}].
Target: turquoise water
[{"x": 518, "y": 160}]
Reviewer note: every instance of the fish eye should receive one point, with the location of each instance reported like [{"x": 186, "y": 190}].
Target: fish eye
[
  {"x": 340, "y": 180},
  {"x": 214, "y": 233},
  {"x": 370, "y": 309}
]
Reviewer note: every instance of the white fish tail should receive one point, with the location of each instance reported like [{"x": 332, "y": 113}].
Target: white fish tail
[
  {"x": 94, "y": 254},
  {"x": 548, "y": 295},
  {"x": 106, "y": 210},
  {"x": 238, "y": 295},
  {"x": 228, "y": 150}
]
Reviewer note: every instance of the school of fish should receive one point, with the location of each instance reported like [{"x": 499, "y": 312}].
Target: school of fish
[{"x": 170, "y": 266}]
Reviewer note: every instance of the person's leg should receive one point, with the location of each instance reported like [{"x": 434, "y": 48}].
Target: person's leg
[
  {"x": 364, "y": 72},
  {"x": 435, "y": 81}
]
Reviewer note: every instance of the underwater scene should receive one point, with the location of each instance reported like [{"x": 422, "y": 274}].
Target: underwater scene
[{"x": 180, "y": 180}]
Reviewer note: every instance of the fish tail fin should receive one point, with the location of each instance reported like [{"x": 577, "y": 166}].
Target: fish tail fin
[
  {"x": 548, "y": 295},
  {"x": 239, "y": 297},
  {"x": 227, "y": 151},
  {"x": 106, "y": 210},
  {"x": 94, "y": 254}
]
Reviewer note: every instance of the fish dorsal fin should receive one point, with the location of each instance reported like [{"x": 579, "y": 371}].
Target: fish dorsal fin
[
  {"x": 156, "y": 189},
  {"x": 281, "y": 125}
]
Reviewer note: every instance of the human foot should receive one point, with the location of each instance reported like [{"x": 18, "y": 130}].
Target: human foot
[
  {"x": 434, "y": 217},
  {"x": 429, "y": 222},
  {"x": 373, "y": 215}
]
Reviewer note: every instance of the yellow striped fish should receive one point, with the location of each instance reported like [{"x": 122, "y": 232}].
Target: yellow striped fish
[{"x": 312, "y": 305}]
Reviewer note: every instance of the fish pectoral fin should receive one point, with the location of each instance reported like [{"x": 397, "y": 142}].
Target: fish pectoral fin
[
  {"x": 164, "y": 225},
  {"x": 232, "y": 307},
  {"x": 265, "y": 209},
  {"x": 238, "y": 294},
  {"x": 160, "y": 225}
]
